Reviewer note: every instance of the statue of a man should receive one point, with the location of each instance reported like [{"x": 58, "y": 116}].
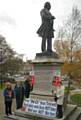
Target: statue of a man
[{"x": 46, "y": 30}]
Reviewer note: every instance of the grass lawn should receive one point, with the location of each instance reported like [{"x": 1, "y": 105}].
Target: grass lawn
[{"x": 76, "y": 98}]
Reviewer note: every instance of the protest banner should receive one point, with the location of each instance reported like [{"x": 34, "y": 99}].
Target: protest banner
[{"x": 40, "y": 107}]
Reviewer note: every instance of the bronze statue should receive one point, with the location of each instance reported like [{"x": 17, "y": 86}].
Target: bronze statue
[{"x": 46, "y": 30}]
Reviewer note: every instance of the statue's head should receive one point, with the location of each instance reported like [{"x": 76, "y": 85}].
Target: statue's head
[{"x": 47, "y": 5}]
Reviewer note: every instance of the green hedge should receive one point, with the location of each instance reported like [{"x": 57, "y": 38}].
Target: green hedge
[{"x": 76, "y": 98}]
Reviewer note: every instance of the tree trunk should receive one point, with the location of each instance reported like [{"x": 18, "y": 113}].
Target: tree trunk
[{"x": 67, "y": 93}]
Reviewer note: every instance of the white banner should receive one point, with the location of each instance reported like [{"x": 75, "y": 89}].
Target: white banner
[{"x": 45, "y": 108}]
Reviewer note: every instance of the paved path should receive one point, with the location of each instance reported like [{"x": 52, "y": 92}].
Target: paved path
[{"x": 76, "y": 91}]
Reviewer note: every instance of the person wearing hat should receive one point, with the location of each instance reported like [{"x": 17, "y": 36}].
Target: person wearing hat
[{"x": 8, "y": 96}]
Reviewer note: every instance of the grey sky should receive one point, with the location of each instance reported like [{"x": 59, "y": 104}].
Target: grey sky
[{"x": 20, "y": 19}]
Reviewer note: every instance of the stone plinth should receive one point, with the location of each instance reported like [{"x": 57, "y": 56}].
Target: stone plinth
[
  {"x": 46, "y": 66},
  {"x": 47, "y": 54}
]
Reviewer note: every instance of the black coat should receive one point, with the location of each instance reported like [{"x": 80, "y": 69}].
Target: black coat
[
  {"x": 19, "y": 94},
  {"x": 27, "y": 88},
  {"x": 46, "y": 29},
  {"x": 7, "y": 97}
]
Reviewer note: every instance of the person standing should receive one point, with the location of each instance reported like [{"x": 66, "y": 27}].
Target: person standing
[
  {"x": 59, "y": 99},
  {"x": 46, "y": 30},
  {"x": 27, "y": 86},
  {"x": 8, "y": 96},
  {"x": 19, "y": 94}
]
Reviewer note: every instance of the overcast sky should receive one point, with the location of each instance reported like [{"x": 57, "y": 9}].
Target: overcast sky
[{"x": 20, "y": 19}]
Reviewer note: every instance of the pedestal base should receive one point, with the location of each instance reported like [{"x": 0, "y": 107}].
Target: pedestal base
[{"x": 47, "y": 54}]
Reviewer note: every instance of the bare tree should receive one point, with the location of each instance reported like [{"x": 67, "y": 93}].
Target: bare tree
[
  {"x": 73, "y": 30},
  {"x": 69, "y": 39}
]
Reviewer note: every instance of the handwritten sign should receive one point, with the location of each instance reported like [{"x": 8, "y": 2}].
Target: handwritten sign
[{"x": 40, "y": 107}]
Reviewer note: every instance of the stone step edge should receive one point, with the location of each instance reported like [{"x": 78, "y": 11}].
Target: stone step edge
[
  {"x": 32, "y": 115},
  {"x": 29, "y": 115},
  {"x": 25, "y": 115},
  {"x": 70, "y": 112},
  {"x": 79, "y": 108},
  {"x": 9, "y": 117},
  {"x": 14, "y": 117},
  {"x": 75, "y": 115}
]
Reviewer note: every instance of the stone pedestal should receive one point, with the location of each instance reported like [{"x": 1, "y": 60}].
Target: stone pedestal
[{"x": 46, "y": 66}]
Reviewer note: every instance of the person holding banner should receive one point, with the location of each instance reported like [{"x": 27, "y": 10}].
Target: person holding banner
[
  {"x": 58, "y": 93},
  {"x": 27, "y": 86}
]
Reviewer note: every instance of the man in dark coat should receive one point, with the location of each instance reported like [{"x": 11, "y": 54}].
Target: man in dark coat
[
  {"x": 19, "y": 94},
  {"x": 27, "y": 86},
  {"x": 46, "y": 30}
]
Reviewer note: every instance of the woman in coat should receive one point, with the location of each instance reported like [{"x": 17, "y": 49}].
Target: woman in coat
[
  {"x": 46, "y": 30},
  {"x": 8, "y": 96},
  {"x": 58, "y": 94}
]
